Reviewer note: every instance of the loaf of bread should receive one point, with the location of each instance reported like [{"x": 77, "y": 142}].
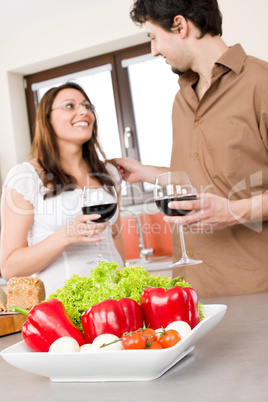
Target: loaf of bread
[
  {"x": 25, "y": 292},
  {"x": 3, "y": 301}
]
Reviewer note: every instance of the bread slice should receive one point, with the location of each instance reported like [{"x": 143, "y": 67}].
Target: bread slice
[
  {"x": 3, "y": 300},
  {"x": 25, "y": 292}
]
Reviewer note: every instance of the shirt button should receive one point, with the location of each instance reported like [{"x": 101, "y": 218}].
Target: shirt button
[
  {"x": 200, "y": 121},
  {"x": 196, "y": 154}
]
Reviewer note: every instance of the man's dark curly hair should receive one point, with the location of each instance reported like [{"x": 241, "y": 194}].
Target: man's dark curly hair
[{"x": 204, "y": 14}]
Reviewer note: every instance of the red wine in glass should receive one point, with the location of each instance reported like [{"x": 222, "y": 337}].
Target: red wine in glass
[
  {"x": 162, "y": 205},
  {"x": 100, "y": 200},
  {"x": 105, "y": 210},
  {"x": 175, "y": 186}
]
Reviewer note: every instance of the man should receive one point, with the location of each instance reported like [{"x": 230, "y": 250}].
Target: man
[{"x": 220, "y": 136}]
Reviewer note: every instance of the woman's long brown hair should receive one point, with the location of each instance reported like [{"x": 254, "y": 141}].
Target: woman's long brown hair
[{"x": 45, "y": 148}]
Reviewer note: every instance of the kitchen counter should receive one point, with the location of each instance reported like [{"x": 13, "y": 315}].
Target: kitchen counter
[{"x": 229, "y": 364}]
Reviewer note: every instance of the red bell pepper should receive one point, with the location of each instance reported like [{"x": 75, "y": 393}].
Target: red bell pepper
[
  {"x": 46, "y": 322},
  {"x": 160, "y": 307},
  {"x": 111, "y": 317}
]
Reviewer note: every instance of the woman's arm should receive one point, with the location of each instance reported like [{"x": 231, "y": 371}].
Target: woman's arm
[{"x": 17, "y": 259}]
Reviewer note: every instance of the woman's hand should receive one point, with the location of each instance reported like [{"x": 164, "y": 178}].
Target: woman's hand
[
  {"x": 17, "y": 259},
  {"x": 210, "y": 213},
  {"x": 81, "y": 229}
]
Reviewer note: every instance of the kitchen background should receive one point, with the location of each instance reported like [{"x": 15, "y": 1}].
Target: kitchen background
[{"x": 48, "y": 34}]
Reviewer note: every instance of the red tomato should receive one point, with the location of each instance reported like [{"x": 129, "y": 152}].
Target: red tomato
[
  {"x": 150, "y": 334},
  {"x": 170, "y": 338},
  {"x": 155, "y": 345},
  {"x": 134, "y": 341}
]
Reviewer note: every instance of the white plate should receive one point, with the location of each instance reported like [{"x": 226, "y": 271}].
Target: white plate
[{"x": 122, "y": 365}]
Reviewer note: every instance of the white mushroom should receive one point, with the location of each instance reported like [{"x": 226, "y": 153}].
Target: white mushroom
[
  {"x": 104, "y": 339},
  {"x": 182, "y": 327},
  {"x": 65, "y": 344},
  {"x": 87, "y": 348}
]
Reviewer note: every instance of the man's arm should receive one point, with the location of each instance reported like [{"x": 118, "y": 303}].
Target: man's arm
[{"x": 133, "y": 171}]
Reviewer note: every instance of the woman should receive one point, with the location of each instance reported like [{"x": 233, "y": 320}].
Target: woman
[{"x": 43, "y": 229}]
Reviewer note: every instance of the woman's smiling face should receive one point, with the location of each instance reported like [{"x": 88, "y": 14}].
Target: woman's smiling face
[{"x": 71, "y": 117}]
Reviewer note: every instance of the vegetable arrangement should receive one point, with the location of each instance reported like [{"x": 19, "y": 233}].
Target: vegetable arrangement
[
  {"x": 113, "y": 309},
  {"x": 106, "y": 281}
]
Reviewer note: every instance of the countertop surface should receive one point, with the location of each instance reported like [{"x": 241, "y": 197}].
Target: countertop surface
[{"x": 229, "y": 364}]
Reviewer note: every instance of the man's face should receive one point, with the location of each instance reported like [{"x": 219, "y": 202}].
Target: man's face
[{"x": 169, "y": 45}]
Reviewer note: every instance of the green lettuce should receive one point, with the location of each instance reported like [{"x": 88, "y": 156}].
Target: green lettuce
[{"x": 106, "y": 281}]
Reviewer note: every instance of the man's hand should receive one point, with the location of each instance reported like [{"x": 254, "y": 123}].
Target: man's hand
[
  {"x": 211, "y": 213},
  {"x": 133, "y": 171},
  {"x": 129, "y": 169}
]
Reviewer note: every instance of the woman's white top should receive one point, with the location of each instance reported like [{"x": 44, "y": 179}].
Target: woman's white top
[{"x": 52, "y": 214}]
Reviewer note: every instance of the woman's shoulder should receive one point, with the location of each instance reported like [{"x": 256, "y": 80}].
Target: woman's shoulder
[
  {"x": 113, "y": 171},
  {"x": 23, "y": 178},
  {"x": 33, "y": 163},
  {"x": 20, "y": 168}
]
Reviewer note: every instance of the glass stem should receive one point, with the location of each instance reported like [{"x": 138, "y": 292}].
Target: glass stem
[
  {"x": 99, "y": 251},
  {"x": 183, "y": 250}
]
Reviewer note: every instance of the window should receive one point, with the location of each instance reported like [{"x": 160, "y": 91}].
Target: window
[
  {"x": 133, "y": 95},
  {"x": 97, "y": 83}
]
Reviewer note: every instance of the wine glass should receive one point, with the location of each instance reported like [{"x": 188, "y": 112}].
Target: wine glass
[
  {"x": 100, "y": 200},
  {"x": 175, "y": 186}
]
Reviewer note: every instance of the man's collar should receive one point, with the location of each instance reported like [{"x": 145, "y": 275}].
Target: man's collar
[{"x": 233, "y": 58}]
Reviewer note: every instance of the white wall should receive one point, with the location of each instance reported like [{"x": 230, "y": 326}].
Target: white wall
[
  {"x": 245, "y": 22},
  {"x": 89, "y": 34}
]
